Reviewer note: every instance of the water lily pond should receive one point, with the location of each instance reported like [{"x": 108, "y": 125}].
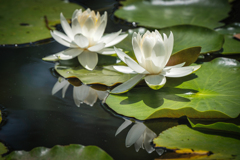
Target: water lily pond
[{"x": 133, "y": 79}]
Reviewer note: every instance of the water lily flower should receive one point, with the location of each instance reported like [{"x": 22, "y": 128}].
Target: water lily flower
[
  {"x": 152, "y": 52},
  {"x": 85, "y": 38},
  {"x": 81, "y": 94},
  {"x": 139, "y": 135}
]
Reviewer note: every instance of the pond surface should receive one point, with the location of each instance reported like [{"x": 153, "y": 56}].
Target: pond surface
[{"x": 36, "y": 118}]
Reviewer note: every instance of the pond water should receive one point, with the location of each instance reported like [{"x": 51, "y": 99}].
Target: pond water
[{"x": 36, "y": 118}]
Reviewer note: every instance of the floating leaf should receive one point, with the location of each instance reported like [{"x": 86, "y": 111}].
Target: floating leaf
[
  {"x": 220, "y": 126},
  {"x": 160, "y": 14},
  {"x": 185, "y": 36},
  {"x": 26, "y": 22},
  {"x": 229, "y": 29},
  {"x": 3, "y": 150},
  {"x": 73, "y": 151},
  {"x": 97, "y": 76},
  {"x": 212, "y": 92},
  {"x": 183, "y": 139}
]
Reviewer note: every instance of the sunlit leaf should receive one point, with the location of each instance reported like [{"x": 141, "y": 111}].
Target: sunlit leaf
[
  {"x": 97, "y": 76},
  {"x": 183, "y": 139},
  {"x": 73, "y": 151},
  {"x": 185, "y": 36},
  {"x": 159, "y": 14},
  {"x": 3, "y": 150},
  {"x": 219, "y": 126},
  {"x": 212, "y": 92},
  {"x": 26, "y": 21}
]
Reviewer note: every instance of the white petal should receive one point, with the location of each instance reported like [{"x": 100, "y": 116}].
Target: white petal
[
  {"x": 74, "y": 14},
  {"x": 195, "y": 68},
  {"x": 135, "y": 66},
  {"x": 54, "y": 57},
  {"x": 76, "y": 28},
  {"x": 82, "y": 92},
  {"x": 64, "y": 90},
  {"x": 124, "y": 125},
  {"x": 175, "y": 66},
  {"x": 155, "y": 81},
  {"x": 59, "y": 85},
  {"x": 116, "y": 40},
  {"x": 66, "y": 27},
  {"x": 137, "y": 50},
  {"x": 169, "y": 46},
  {"x": 107, "y": 51},
  {"x": 96, "y": 47},
  {"x": 147, "y": 47},
  {"x": 159, "y": 54},
  {"x": 81, "y": 40},
  {"x": 91, "y": 98},
  {"x": 121, "y": 54},
  {"x": 102, "y": 94},
  {"x": 70, "y": 53},
  {"x": 179, "y": 72},
  {"x": 126, "y": 86},
  {"x": 124, "y": 69},
  {"x": 88, "y": 27},
  {"x": 134, "y": 133},
  {"x": 100, "y": 30},
  {"x": 60, "y": 40},
  {"x": 149, "y": 136},
  {"x": 62, "y": 36},
  {"x": 88, "y": 59},
  {"x": 109, "y": 37}
]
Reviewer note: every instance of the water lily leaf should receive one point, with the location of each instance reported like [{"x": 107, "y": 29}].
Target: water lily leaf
[
  {"x": 97, "y": 76},
  {"x": 160, "y": 14},
  {"x": 26, "y": 21},
  {"x": 212, "y": 92},
  {"x": 232, "y": 29},
  {"x": 3, "y": 150},
  {"x": 220, "y": 126},
  {"x": 231, "y": 45},
  {"x": 73, "y": 151},
  {"x": 185, "y": 36},
  {"x": 183, "y": 139}
]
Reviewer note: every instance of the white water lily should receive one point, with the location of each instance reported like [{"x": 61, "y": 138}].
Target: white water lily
[
  {"x": 81, "y": 94},
  {"x": 85, "y": 38},
  {"x": 139, "y": 135},
  {"x": 152, "y": 52}
]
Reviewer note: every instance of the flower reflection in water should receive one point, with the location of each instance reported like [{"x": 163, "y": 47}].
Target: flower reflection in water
[
  {"x": 139, "y": 135},
  {"x": 81, "y": 93}
]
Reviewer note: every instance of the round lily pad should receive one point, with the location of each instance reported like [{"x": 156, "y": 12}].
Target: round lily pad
[
  {"x": 160, "y": 14},
  {"x": 97, "y": 76},
  {"x": 29, "y": 21},
  {"x": 212, "y": 92},
  {"x": 183, "y": 139},
  {"x": 73, "y": 151},
  {"x": 185, "y": 36}
]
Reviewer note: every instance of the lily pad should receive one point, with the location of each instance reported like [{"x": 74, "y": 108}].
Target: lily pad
[
  {"x": 183, "y": 139},
  {"x": 97, "y": 76},
  {"x": 219, "y": 126},
  {"x": 3, "y": 150},
  {"x": 212, "y": 92},
  {"x": 185, "y": 36},
  {"x": 73, "y": 151},
  {"x": 160, "y": 14},
  {"x": 229, "y": 29},
  {"x": 28, "y": 19}
]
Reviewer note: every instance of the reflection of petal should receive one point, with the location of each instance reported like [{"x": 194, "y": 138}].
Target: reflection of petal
[
  {"x": 102, "y": 94},
  {"x": 123, "y": 126},
  {"x": 139, "y": 143},
  {"x": 64, "y": 90},
  {"x": 91, "y": 98},
  {"x": 149, "y": 136},
  {"x": 134, "y": 133},
  {"x": 59, "y": 85}
]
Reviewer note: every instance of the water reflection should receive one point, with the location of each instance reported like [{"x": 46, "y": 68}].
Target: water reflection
[
  {"x": 81, "y": 92},
  {"x": 139, "y": 135}
]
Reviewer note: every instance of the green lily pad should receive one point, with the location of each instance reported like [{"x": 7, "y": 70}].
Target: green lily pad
[
  {"x": 160, "y": 14},
  {"x": 231, "y": 45},
  {"x": 26, "y": 21},
  {"x": 97, "y": 76},
  {"x": 219, "y": 126},
  {"x": 73, "y": 151},
  {"x": 229, "y": 29},
  {"x": 3, "y": 150},
  {"x": 212, "y": 92},
  {"x": 185, "y": 36},
  {"x": 183, "y": 139}
]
